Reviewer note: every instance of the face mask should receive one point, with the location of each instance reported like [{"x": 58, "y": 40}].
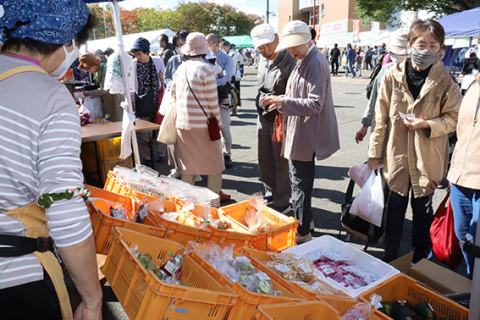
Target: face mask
[
  {"x": 423, "y": 59},
  {"x": 70, "y": 57},
  {"x": 179, "y": 51}
]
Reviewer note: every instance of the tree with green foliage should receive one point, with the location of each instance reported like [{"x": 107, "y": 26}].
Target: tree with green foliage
[{"x": 387, "y": 10}]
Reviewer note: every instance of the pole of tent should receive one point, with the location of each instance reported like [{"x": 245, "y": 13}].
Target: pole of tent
[{"x": 126, "y": 86}]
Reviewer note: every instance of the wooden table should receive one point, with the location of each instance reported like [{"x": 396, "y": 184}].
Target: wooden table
[{"x": 95, "y": 132}]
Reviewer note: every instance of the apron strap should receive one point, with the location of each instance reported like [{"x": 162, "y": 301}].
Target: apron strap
[
  {"x": 19, "y": 246},
  {"x": 21, "y": 69}
]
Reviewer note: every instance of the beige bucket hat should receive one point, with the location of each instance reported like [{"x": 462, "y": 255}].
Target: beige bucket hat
[
  {"x": 195, "y": 45},
  {"x": 294, "y": 33}
]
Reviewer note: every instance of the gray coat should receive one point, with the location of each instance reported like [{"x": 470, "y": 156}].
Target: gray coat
[{"x": 310, "y": 124}]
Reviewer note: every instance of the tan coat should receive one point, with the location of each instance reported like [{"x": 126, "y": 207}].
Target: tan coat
[
  {"x": 418, "y": 158},
  {"x": 465, "y": 168}
]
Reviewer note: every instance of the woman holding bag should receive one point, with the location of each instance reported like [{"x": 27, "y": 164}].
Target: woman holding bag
[
  {"x": 195, "y": 93},
  {"x": 464, "y": 174},
  {"x": 417, "y": 108}
]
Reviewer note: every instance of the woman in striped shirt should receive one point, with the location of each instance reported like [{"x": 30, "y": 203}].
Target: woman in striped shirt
[
  {"x": 40, "y": 141},
  {"x": 197, "y": 154}
]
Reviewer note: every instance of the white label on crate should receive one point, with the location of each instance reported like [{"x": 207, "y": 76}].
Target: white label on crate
[
  {"x": 305, "y": 267},
  {"x": 263, "y": 276},
  {"x": 282, "y": 268}
]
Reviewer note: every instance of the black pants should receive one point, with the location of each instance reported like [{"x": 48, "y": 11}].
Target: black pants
[
  {"x": 422, "y": 218},
  {"x": 334, "y": 64},
  {"x": 368, "y": 62},
  {"x": 34, "y": 300},
  {"x": 302, "y": 176}
]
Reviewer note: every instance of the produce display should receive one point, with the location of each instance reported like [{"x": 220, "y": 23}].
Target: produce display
[
  {"x": 147, "y": 180},
  {"x": 300, "y": 271},
  {"x": 402, "y": 310},
  {"x": 169, "y": 271},
  {"x": 237, "y": 269}
]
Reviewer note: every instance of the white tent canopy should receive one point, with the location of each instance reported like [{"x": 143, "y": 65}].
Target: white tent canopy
[{"x": 129, "y": 39}]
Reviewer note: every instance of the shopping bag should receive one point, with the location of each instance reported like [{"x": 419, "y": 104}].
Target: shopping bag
[
  {"x": 94, "y": 105},
  {"x": 278, "y": 129},
  {"x": 168, "y": 131},
  {"x": 166, "y": 101},
  {"x": 360, "y": 173},
  {"x": 445, "y": 243},
  {"x": 369, "y": 202},
  {"x": 356, "y": 225}
]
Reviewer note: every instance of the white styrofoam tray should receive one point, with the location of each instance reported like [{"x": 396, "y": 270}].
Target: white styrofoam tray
[{"x": 357, "y": 257}]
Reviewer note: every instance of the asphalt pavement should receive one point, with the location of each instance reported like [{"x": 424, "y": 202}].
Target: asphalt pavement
[{"x": 331, "y": 179}]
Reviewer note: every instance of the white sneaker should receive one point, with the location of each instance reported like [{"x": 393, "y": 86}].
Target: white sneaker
[
  {"x": 198, "y": 178},
  {"x": 174, "y": 173},
  {"x": 302, "y": 239}
]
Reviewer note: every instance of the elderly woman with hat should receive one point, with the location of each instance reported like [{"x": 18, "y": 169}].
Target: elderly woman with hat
[
  {"x": 309, "y": 121},
  {"x": 147, "y": 76},
  {"x": 194, "y": 90},
  {"x": 42, "y": 198}
]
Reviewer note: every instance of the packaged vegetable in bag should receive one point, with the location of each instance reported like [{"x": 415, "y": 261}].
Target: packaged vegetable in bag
[
  {"x": 283, "y": 270},
  {"x": 304, "y": 269}
]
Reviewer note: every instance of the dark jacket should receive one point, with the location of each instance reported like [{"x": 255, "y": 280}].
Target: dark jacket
[{"x": 167, "y": 53}]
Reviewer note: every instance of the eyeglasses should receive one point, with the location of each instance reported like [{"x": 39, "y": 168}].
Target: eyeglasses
[{"x": 262, "y": 48}]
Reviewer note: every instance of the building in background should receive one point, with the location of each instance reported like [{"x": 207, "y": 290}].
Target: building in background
[{"x": 335, "y": 22}]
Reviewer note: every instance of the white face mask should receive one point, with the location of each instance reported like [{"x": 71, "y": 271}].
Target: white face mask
[{"x": 70, "y": 57}]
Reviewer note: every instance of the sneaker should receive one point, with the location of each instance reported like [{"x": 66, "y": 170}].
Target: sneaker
[
  {"x": 228, "y": 161},
  {"x": 268, "y": 199},
  {"x": 198, "y": 178},
  {"x": 174, "y": 173},
  {"x": 302, "y": 239},
  {"x": 224, "y": 196}
]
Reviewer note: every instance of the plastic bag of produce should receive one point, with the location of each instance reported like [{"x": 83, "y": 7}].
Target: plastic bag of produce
[
  {"x": 362, "y": 310},
  {"x": 368, "y": 204}
]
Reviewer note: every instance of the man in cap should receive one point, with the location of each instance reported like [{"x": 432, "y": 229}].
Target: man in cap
[
  {"x": 310, "y": 124},
  {"x": 273, "y": 72},
  {"x": 226, "y": 62},
  {"x": 398, "y": 52}
]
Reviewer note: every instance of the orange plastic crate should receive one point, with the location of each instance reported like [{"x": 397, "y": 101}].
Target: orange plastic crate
[
  {"x": 113, "y": 185},
  {"x": 297, "y": 311},
  {"x": 103, "y": 224},
  {"x": 262, "y": 257},
  {"x": 343, "y": 305},
  {"x": 248, "y": 301},
  {"x": 403, "y": 287},
  {"x": 284, "y": 228},
  {"x": 240, "y": 237},
  {"x": 145, "y": 297}
]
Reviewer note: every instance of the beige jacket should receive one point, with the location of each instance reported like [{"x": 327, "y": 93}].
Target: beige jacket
[
  {"x": 418, "y": 158},
  {"x": 465, "y": 168}
]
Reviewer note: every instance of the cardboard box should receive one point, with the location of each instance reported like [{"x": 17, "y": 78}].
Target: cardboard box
[{"x": 433, "y": 275}]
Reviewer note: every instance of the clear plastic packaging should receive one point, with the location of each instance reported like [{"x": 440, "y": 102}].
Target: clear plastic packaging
[
  {"x": 254, "y": 219},
  {"x": 362, "y": 310}
]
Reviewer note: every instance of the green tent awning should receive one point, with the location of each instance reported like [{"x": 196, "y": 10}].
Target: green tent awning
[{"x": 240, "y": 41}]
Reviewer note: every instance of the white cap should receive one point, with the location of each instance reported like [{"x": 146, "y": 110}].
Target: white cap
[
  {"x": 262, "y": 34},
  {"x": 294, "y": 33},
  {"x": 399, "y": 41}
]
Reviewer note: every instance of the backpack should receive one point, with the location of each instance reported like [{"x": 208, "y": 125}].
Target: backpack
[
  {"x": 374, "y": 74},
  {"x": 357, "y": 226}
]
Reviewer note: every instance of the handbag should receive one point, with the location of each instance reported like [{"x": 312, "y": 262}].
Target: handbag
[
  {"x": 168, "y": 131},
  {"x": 235, "y": 96},
  {"x": 278, "y": 129},
  {"x": 357, "y": 226},
  {"x": 212, "y": 122},
  {"x": 445, "y": 243}
]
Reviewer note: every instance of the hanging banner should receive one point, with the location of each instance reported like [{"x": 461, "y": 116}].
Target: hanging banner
[
  {"x": 334, "y": 27},
  {"x": 356, "y": 31}
]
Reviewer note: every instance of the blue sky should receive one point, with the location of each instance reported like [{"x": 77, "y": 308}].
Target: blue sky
[{"x": 248, "y": 6}]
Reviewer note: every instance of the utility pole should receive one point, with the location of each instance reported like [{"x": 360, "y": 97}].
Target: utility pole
[
  {"x": 268, "y": 10},
  {"x": 314, "y": 12}
]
